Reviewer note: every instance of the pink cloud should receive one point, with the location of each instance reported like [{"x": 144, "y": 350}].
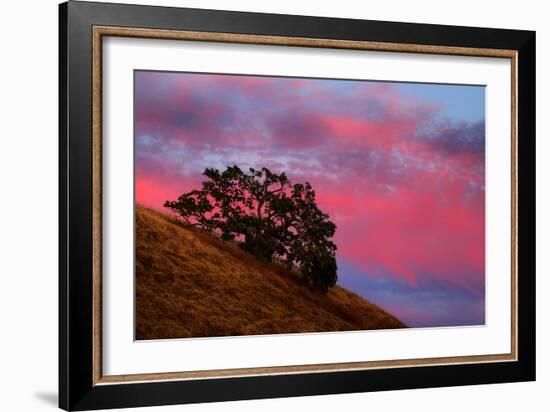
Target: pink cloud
[{"x": 405, "y": 188}]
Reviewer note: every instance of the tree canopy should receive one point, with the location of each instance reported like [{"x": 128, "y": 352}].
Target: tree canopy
[{"x": 269, "y": 216}]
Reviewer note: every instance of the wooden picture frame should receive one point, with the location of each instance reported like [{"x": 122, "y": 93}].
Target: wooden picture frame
[{"x": 82, "y": 384}]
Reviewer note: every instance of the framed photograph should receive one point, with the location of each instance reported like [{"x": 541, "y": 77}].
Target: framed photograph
[{"x": 256, "y": 205}]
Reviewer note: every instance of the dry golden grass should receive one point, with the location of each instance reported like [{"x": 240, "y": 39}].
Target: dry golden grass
[{"x": 191, "y": 284}]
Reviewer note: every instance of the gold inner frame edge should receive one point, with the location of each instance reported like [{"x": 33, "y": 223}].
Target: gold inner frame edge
[{"x": 101, "y": 31}]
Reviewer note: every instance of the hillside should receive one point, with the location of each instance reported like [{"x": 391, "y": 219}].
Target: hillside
[{"x": 191, "y": 284}]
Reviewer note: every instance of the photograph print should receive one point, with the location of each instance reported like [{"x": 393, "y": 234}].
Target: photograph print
[{"x": 276, "y": 205}]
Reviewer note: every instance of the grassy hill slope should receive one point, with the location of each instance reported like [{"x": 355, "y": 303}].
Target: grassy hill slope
[{"x": 191, "y": 284}]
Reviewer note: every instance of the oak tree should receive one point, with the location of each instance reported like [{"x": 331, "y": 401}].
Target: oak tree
[{"x": 269, "y": 217}]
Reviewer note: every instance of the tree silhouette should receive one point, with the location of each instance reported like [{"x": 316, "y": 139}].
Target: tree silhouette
[{"x": 270, "y": 217}]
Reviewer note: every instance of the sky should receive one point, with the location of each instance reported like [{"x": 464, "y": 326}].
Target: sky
[{"x": 399, "y": 168}]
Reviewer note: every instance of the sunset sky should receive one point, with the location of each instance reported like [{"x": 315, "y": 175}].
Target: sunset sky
[{"x": 399, "y": 167}]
